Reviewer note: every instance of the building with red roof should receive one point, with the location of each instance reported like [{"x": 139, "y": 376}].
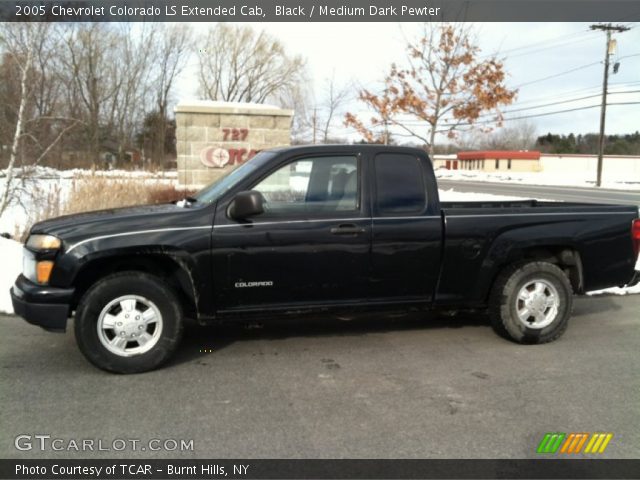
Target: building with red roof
[{"x": 493, "y": 160}]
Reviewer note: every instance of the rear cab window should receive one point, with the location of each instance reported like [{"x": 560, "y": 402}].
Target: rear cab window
[{"x": 399, "y": 184}]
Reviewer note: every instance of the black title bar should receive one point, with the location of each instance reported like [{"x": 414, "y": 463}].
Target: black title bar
[
  {"x": 321, "y": 11},
  {"x": 318, "y": 469}
]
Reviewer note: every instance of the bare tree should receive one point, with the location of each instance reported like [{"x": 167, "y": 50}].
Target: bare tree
[
  {"x": 520, "y": 135},
  {"x": 90, "y": 63},
  {"x": 335, "y": 98},
  {"x": 134, "y": 80},
  {"x": 36, "y": 130},
  {"x": 239, "y": 64},
  {"x": 173, "y": 44},
  {"x": 111, "y": 73},
  {"x": 298, "y": 98},
  {"x": 315, "y": 118}
]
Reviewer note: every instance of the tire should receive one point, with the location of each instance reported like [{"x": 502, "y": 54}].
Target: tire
[
  {"x": 128, "y": 322},
  {"x": 531, "y": 303}
]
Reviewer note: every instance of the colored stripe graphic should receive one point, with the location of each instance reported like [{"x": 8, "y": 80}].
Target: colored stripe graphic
[
  {"x": 573, "y": 443},
  {"x": 598, "y": 443},
  {"x": 550, "y": 443}
]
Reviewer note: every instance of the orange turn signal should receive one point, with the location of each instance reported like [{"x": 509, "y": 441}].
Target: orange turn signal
[{"x": 43, "y": 271}]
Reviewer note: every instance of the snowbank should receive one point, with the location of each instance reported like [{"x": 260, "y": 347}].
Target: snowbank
[
  {"x": 452, "y": 196},
  {"x": 617, "y": 291},
  {"x": 11, "y": 261},
  {"x": 42, "y": 185},
  {"x": 530, "y": 178},
  {"x": 48, "y": 173}
]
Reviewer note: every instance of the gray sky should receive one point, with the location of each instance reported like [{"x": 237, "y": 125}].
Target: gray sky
[{"x": 363, "y": 52}]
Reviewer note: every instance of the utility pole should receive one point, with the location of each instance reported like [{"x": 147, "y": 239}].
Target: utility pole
[
  {"x": 605, "y": 83},
  {"x": 315, "y": 123}
]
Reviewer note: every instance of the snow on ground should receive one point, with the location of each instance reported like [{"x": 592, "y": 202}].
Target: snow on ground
[
  {"x": 530, "y": 178},
  {"x": 617, "y": 290},
  {"x": 11, "y": 261},
  {"x": 452, "y": 196},
  {"x": 52, "y": 173},
  {"x": 42, "y": 184}
]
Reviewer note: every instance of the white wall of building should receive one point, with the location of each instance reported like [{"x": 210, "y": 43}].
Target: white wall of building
[{"x": 619, "y": 168}]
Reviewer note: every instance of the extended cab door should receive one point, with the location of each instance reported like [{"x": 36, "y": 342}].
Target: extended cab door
[
  {"x": 310, "y": 246},
  {"x": 407, "y": 228}
]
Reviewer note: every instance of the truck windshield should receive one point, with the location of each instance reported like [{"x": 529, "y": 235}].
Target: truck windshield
[{"x": 212, "y": 192}]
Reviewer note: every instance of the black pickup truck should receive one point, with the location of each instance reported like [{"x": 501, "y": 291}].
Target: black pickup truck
[{"x": 315, "y": 229}]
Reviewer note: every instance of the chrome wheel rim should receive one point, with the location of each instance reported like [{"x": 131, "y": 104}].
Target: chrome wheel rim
[
  {"x": 129, "y": 325},
  {"x": 537, "y": 304}
]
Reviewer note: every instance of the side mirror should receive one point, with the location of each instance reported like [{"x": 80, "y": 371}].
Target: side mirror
[{"x": 246, "y": 204}]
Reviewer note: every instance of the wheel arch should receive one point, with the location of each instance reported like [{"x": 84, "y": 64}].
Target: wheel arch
[
  {"x": 566, "y": 257},
  {"x": 172, "y": 266}
]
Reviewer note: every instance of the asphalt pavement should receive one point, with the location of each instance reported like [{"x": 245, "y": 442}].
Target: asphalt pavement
[
  {"x": 547, "y": 192},
  {"x": 402, "y": 387}
]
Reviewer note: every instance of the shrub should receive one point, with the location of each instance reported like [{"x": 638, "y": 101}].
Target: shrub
[
  {"x": 90, "y": 193},
  {"x": 98, "y": 193}
]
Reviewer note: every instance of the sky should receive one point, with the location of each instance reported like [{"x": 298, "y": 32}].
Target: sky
[{"x": 569, "y": 53}]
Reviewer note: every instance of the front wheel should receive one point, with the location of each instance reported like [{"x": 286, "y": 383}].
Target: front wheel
[
  {"x": 128, "y": 322},
  {"x": 531, "y": 302}
]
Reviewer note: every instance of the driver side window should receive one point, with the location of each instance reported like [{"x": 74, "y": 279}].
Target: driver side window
[{"x": 313, "y": 186}]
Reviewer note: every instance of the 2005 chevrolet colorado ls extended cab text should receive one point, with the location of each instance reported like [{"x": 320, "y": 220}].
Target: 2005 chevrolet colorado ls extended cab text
[{"x": 311, "y": 230}]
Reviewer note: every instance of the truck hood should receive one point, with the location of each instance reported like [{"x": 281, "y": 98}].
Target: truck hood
[{"x": 120, "y": 220}]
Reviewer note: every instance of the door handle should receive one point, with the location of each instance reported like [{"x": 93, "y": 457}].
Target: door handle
[{"x": 347, "y": 229}]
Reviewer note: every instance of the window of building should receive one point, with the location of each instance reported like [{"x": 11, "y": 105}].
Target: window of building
[
  {"x": 497, "y": 163},
  {"x": 509, "y": 164}
]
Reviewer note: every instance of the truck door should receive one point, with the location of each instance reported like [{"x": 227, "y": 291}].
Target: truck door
[
  {"x": 407, "y": 228},
  {"x": 310, "y": 246}
]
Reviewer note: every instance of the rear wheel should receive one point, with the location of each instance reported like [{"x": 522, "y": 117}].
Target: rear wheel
[
  {"x": 531, "y": 302},
  {"x": 128, "y": 322}
]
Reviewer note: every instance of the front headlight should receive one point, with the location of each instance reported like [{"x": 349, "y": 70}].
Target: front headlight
[
  {"x": 34, "y": 267},
  {"x": 43, "y": 242},
  {"x": 36, "y": 271}
]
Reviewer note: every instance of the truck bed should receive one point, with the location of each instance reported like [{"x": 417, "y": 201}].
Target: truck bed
[
  {"x": 529, "y": 203},
  {"x": 482, "y": 236}
]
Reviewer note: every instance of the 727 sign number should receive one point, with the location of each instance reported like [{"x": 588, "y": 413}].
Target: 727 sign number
[{"x": 234, "y": 134}]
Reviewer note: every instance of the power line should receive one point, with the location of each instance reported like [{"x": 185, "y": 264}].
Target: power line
[
  {"x": 559, "y": 96},
  {"x": 551, "y": 41},
  {"x": 557, "y": 112},
  {"x": 563, "y": 44},
  {"x": 566, "y": 94},
  {"x": 582, "y": 67},
  {"x": 571, "y": 100},
  {"x": 629, "y": 56},
  {"x": 508, "y": 119}
]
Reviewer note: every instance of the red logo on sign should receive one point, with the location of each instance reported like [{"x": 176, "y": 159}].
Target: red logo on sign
[{"x": 217, "y": 157}]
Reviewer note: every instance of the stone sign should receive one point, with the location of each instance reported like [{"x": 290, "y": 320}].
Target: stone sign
[{"x": 214, "y": 137}]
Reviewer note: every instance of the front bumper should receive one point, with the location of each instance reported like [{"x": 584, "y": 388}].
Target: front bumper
[{"x": 42, "y": 305}]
